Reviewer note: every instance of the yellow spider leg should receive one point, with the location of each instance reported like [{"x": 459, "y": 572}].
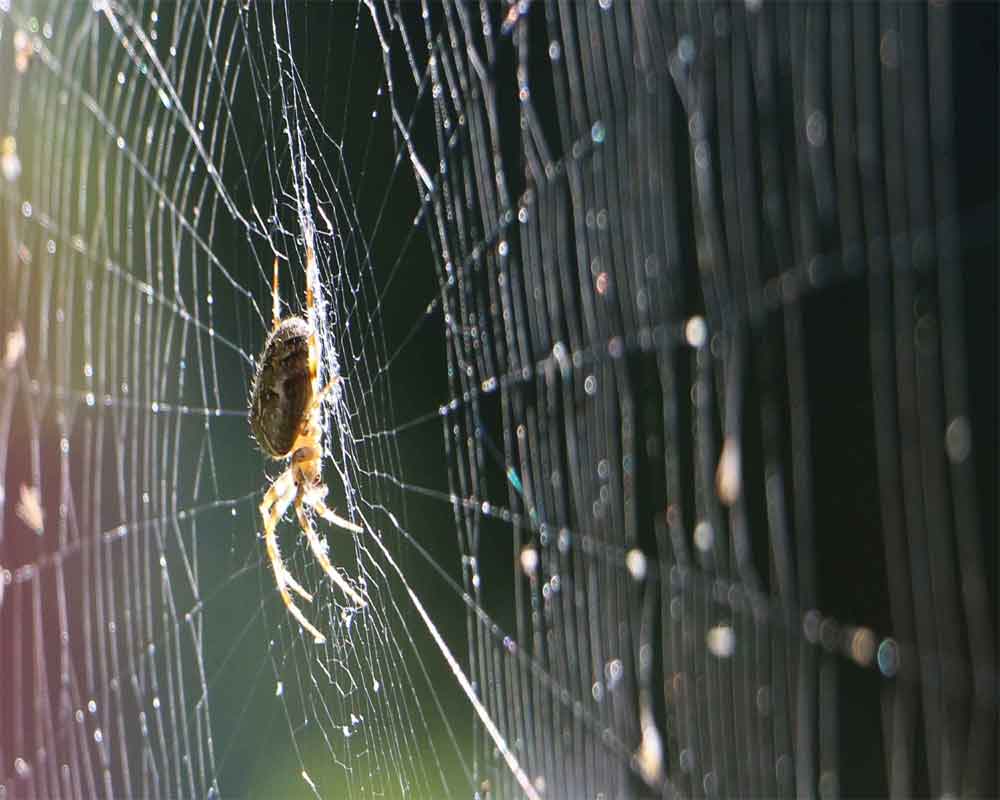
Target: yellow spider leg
[
  {"x": 275, "y": 296},
  {"x": 318, "y": 398},
  {"x": 276, "y": 493},
  {"x": 281, "y": 493},
  {"x": 319, "y": 550},
  {"x": 315, "y": 354},
  {"x": 272, "y": 509},
  {"x": 297, "y": 587},
  {"x": 310, "y": 267},
  {"x": 314, "y": 351},
  {"x": 333, "y": 518}
]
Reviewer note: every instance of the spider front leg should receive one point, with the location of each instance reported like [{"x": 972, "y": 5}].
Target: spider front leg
[
  {"x": 273, "y": 507},
  {"x": 319, "y": 548},
  {"x": 319, "y": 397}
]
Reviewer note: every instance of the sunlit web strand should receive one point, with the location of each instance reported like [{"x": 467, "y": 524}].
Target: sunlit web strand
[
  {"x": 91, "y": 104},
  {"x": 167, "y": 85},
  {"x": 111, "y": 267}
]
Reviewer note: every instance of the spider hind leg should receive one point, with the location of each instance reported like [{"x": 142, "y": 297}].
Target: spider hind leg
[
  {"x": 276, "y": 501},
  {"x": 319, "y": 548}
]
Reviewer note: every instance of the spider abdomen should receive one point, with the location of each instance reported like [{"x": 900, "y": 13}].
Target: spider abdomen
[{"x": 282, "y": 388}]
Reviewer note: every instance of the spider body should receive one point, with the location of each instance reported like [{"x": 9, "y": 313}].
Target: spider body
[
  {"x": 285, "y": 418},
  {"x": 282, "y": 388}
]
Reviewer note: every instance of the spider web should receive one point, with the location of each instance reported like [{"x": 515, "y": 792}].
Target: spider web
[{"x": 655, "y": 324}]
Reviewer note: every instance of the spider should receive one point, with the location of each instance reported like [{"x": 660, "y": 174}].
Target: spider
[{"x": 285, "y": 406}]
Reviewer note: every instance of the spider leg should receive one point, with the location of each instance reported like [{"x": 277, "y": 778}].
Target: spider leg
[
  {"x": 320, "y": 396},
  {"x": 297, "y": 587},
  {"x": 275, "y": 296},
  {"x": 333, "y": 518},
  {"x": 320, "y": 548},
  {"x": 314, "y": 348},
  {"x": 274, "y": 505},
  {"x": 276, "y": 501},
  {"x": 315, "y": 351}
]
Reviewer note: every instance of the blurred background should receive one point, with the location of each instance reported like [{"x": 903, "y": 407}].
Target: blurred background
[{"x": 668, "y": 335}]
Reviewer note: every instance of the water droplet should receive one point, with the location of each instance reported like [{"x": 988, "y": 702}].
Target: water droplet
[
  {"x": 685, "y": 49},
  {"x": 613, "y": 672},
  {"x": 636, "y": 563},
  {"x": 696, "y": 332},
  {"x": 829, "y": 785},
  {"x": 728, "y": 477},
  {"x": 10, "y": 163},
  {"x": 721, "y": 641},
  {"x": 816, "y": 129},
  {"x": 704, "y": 536},
  {"x": 863, "y": 646},
  {"x": 888, "y": 657},
  {"x": 958, "y": 440},
  {"x": 649, "y": 756},
  {"x": 601, "y": 283},
  {"x": 529, "y": 560}
]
